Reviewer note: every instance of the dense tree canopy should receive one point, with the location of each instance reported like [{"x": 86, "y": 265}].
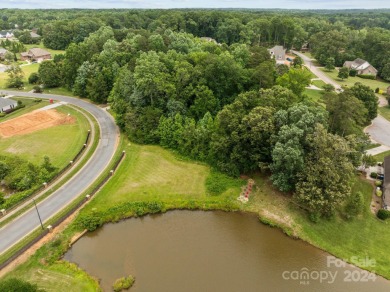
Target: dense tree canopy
[{"x": 202, "y": 82}]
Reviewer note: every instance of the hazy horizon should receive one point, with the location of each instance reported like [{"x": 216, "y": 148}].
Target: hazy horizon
[{"x": 169, "y": 4}]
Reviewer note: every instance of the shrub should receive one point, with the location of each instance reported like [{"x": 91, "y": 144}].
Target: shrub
[
  {"x": 18, "y": 285},
  {"x": 383, "y": 214},
  {"x": 354, "y": 205},
  {"x": 2, "y": 200},
  {"x": 378, "y": 193},
  {"x": 367, "y": 76},
  {"x": 328, "y": 87},
  {"x": 2, "y": 115},
  {"x": 352, "y": 72},
  {"x": 37, "y": 89},
  {"x": 217, "y": 183},
  {"x": 90, "y": 221},
  {"x": 378, "y": 183},
  {"x": 33, "y": 78},
  {"x": 377, "y": 90},
  {"x": 123, "y": 283},
  {"x": 37, "y": 100},
  {"x": 314, "y": 217},
  {"x": 373, "y": 175}
]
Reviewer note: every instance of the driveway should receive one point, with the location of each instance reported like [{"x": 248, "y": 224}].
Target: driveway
[
  {"x": 109, "y": 133},
  {"x": 379, "y": 131}
]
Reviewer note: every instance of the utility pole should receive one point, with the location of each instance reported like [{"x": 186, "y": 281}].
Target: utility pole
[{"x": 39, "y": 216}]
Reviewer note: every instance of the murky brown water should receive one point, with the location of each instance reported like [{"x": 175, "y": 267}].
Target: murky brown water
[{"x": 188, "y": 251}]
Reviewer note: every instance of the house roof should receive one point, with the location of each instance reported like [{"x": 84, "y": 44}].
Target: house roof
[
  {"x": 358, "y": 64},
  {"x": 6, "y": 101},
  {"x": 38, "y": 52},
  {"x": 34, "y": 35},
  {"x": 24, "y": 54},
  {"x": 277, "y": 50}
]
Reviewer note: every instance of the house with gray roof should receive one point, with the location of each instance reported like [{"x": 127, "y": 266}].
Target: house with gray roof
[
  {"x": 361, "y": 66},
  {"x": 279, "y": 53},
  {"x": 34, "y": 35},
  {"x": 6, "y": 34},
  {"x": 7, "y": 104}
]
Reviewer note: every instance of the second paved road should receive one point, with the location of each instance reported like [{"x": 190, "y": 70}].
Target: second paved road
[{"x": 109, "y": 133}]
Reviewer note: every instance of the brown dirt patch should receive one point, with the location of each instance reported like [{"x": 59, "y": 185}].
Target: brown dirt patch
[{"x": 34, "y": 121}]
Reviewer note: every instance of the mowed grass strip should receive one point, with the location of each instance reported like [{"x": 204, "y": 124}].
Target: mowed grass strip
[{"x": 60, "y": 143}]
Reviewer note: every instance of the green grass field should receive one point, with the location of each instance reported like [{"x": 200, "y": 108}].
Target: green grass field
[
  {"x": 151, "y": 173},
  {"x": 314, "y": 95},
  {"x": 27, "y": 70},
  {"x": 35, "y": 146},
  {"x": 318, "y": 83},
  {"x": 381, "y": 156},
  {"x": 350, "y": 81}
]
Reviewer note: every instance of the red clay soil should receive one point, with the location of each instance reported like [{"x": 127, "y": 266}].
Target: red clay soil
[{"x": 34, "y": 121}]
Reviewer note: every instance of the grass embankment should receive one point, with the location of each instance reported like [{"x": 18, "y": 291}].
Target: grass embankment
[
  {"x": 151, "y": 179},
  {"x": 318, "y": 83},
  {"x": 381, "y": 156},
  {"x": 350, "y": 81},
  {"x": 314, "y": 95},
  {"x": 34, "y": 146}
]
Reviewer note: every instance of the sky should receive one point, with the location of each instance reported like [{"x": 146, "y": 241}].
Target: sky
[{"x": 288, "y": 4}]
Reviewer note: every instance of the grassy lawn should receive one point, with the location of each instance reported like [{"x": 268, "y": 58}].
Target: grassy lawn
[
  {"x": 314, "y": 95},
  {"x": 27, "y": 70},
  {"x": 312, "y": 75},
  {"x": 318, "y": 83},
  {"x": 151, "y": 173},
  {"x": 350, "y": 81},
  {"x": 381, "y": 156},
  {"x": 385, "y": 112},
  {"x": 59, "y": 91},
  {"x": 35, "y": 146}
]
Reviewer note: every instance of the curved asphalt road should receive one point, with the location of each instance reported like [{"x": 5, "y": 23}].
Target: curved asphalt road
[{"x": 16, "y": 230}]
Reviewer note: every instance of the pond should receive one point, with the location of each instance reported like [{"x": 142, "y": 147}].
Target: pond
[{"x": 212, "y": 251}]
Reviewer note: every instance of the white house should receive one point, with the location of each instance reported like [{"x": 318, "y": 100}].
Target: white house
[{"x": 7, "y": 104}]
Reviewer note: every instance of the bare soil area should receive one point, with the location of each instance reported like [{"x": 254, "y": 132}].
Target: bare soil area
[{"x": 34, "y": 121}]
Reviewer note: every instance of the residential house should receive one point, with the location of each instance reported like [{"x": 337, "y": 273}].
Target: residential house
[
  {"x": 7, "y": 104},
  {"x": 208, "y": 39},
  {"x": 6, "y": 34},
  {"x": 35, "y": 54},
  {"x": 279, "y": 53},
  {"x": 2, "y": 53},
  {"x": 361, "y": 66},
  {"x": 34, "y": 35}
]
